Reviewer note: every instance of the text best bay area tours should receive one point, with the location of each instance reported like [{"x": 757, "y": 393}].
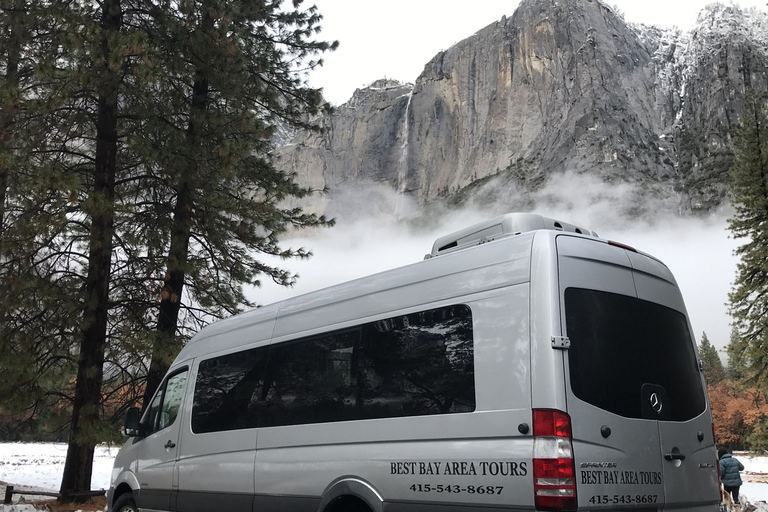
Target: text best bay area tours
[
  {"x": 462, "y": 468},
  {"x": 621, "y": 477}
]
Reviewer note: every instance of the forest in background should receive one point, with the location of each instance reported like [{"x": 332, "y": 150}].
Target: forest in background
[{"x": 739, "y": 408}]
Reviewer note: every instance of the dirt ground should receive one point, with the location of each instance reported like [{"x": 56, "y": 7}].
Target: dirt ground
[
  {"x": 758, "y": 478},
  {"x": 93, "y": 505}
]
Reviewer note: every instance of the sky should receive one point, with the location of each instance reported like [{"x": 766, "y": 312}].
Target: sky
[{"x": 397, "y": 38}]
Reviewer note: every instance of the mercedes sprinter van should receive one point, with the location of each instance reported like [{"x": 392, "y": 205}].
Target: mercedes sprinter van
[{"x": 525, "y": 364}]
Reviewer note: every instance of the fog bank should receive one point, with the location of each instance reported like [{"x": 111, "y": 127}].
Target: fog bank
[{"x": 378, "y": 230}]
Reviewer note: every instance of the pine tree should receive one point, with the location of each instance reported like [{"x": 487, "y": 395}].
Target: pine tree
[
  {"x": 749, "y": 197},
  {"x": 95, "y": 64},
  {"x": 227, "y": 77},
  {"x": 713, "y": 366},
  {"x": 737, "y": 367},
  {"x": 144, "y": 159},
  {"x": 37, "y": 320},
  {"x": 757, "y": 440}
]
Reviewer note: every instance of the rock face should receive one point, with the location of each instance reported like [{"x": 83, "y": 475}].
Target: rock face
[
  {"x": 725, "y": 57},
  {"x": 560, "y": 86}
]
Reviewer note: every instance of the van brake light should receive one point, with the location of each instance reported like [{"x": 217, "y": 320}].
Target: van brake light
[
  {"x": 554, "y": 483},
  {"x": 621, "y": 245}
]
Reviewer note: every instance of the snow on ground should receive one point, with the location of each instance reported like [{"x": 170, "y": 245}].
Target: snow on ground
[{"x": 39, "y": 466}]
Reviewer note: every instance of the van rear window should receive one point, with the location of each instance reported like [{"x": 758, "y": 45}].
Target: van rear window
[
  {"x": 410, "y": 365},
  {"x": 623, "y": 347}
]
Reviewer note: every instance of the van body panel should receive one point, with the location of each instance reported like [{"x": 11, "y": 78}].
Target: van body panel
[
  {"x": 220, "y": 469},
  {"x": 434, "y": 280},
  {"x": 382, "y": 450},
  {"x": 156, "y": 454},
  {"x": 692, "y": 481},
  {"x": 155, "y": 472},
  {"x": 627, "y": 454},
  {"x": 502, "y": 350},
  {"x": 232, "y": 333},
  {"x": 609, "y": 470},
  {"x": 585, "y": 263},
  {"x": 213, "y": 463},
  {"x": 263, "y": 435},
  {"x": 208, "y": 501},
  {"x": 437, "y": 470},
  {"x": 546, "y": 364}
]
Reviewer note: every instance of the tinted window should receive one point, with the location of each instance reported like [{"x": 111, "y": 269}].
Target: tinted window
[
  {"x": 415, "y": 364},
  {"x": 225, "y": 389},
  {"x": 623, "y": 347},
  {"x": 418, "y": 364},
  {"x": 166, "y": 403}
]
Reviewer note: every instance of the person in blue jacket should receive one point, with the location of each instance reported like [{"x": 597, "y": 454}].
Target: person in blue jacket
[{"x": 729, "y": 473}]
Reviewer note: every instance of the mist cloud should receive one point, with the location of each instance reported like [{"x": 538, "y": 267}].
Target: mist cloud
[{"x": 378, "y": 230}]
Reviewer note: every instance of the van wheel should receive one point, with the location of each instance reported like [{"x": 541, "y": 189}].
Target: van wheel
[
  {"x": 347, "y": 504},
  {"x": 125, "y": 503}
]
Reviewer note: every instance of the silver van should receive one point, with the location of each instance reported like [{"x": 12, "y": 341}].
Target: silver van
[{"x": 525, "y": 364}]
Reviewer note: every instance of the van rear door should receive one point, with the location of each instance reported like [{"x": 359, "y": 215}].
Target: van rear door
[
  {"x": 634, "y": 390},
  {"x": 688, "y": 448}
]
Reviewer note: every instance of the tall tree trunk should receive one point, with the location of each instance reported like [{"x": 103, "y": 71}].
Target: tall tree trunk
[
  {"x": 8, "y": 111},
  {"x": 100, "y": 207},
  {"x": 165, "y": 346}
]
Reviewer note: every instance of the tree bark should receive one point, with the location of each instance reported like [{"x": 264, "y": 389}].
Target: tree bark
[
  {"x": 87, "y": 401},
  {"x": 165, "y": 346},
  {"x": 8, "y": 112}
]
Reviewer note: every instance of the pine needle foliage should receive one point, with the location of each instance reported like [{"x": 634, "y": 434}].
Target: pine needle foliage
[
  {"x": 137, "y": 189},
  {"x": 38, "y": 313},
  {"x": 749, "y": 196},
  {"x": 713, "y": 366},
  {"x": 227, "y": 75}
]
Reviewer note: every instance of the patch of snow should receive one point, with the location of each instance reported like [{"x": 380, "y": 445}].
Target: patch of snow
[{"x": 39, "y": 466}]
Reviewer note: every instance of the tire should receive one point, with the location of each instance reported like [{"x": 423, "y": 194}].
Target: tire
[
  {"x": 349, "y": 504},
  {"x": 125, "y": 503}
]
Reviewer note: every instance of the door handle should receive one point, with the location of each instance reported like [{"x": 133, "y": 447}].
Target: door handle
[
  {"x": 674, "y": 456},
  {"x": 170, "y": 444}
]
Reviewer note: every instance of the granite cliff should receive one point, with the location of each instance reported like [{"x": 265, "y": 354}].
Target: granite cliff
[{"x": 560, "y": 86}]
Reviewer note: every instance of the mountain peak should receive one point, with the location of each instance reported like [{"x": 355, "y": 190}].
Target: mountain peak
[{"x": 560, "y": 86}]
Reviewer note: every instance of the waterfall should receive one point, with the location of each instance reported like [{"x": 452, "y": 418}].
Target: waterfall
[{"x": 402, "y": 163}]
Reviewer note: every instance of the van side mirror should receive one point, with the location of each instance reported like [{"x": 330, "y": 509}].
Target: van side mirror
[{"x": 132, "y": 417}]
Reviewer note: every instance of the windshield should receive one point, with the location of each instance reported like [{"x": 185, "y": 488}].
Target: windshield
[{"x": 623, "y": 347}]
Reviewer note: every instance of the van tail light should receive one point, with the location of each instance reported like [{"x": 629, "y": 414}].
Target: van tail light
[{"x": 554, "y": 475}]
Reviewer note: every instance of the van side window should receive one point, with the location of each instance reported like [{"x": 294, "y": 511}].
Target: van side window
[
  {"x": 225, "y": 388},
  {"x": 166, "y": 403},
  {"x": 416, "y": 364}
]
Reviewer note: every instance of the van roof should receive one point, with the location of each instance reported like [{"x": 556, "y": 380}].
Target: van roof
[{"x": 506, "y": 225}]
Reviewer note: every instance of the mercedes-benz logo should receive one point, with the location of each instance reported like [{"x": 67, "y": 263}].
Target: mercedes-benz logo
[{"x": 656, "y": 404}]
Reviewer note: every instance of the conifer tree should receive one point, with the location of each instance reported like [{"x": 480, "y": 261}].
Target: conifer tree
[
  {"x": 102, "y": 52},
  {"x": 37, "y": 319},
  {"x": 749, "y": 197},
  {"x": 146, "y": 159},
  {"x": 713, "y": 366},
  {"x": 228, "y": 77},
  {"x": 737, "y": 367}
]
